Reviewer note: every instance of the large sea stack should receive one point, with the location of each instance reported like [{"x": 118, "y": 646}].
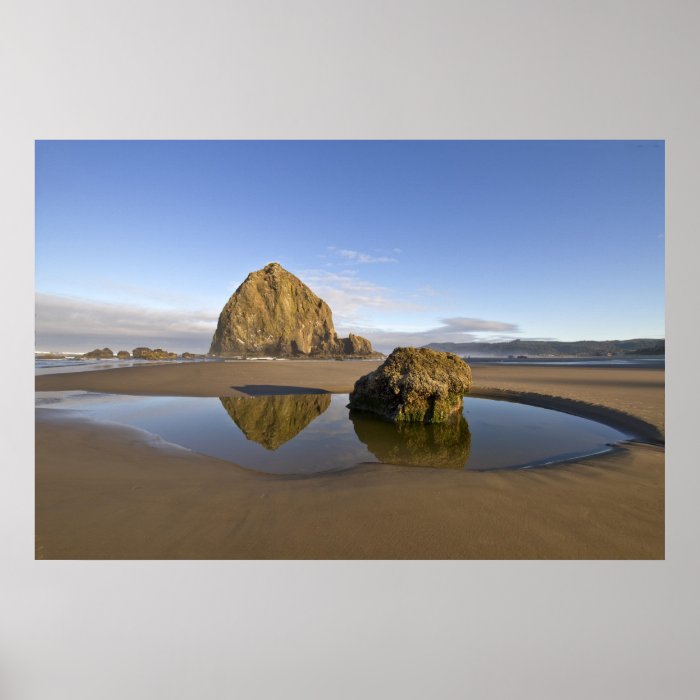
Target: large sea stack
[
  {"x": 274, "y": 314},
  {"x": 415, "y": 385}
]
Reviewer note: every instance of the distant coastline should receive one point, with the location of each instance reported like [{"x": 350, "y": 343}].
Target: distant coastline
[
  {"x": 620, "y": 362},
  {"x": 513, "y": 350},
  {"x": 61, "y": 364},
  {"x": 527, "y": 349}
]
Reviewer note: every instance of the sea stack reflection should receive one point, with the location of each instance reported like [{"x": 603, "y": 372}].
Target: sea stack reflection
[{"x": 273, "y": 420}]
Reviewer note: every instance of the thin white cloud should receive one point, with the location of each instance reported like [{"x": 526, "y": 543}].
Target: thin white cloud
[
  {"x": 386, "y": 341},
  {"x": 358, "y": 257},
  {"x": 508, "y": 338},
  {"x": 64, "y": 321},
  {"x": 466, "y": 325},
  {"x": 348, "y": 296},
  {"x": 355, "y": 256},
  {"x": 453, "y": 330}
]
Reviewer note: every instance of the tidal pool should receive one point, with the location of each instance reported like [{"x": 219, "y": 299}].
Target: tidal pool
[{"x": 312, "y": 433}]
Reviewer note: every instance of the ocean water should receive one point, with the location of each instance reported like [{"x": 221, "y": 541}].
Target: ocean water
[
  {"x": 313, "y": 433},
  {"x": 66, "y": 365}
]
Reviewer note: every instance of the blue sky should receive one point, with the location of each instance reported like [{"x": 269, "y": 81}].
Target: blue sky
[{"x": 143, "y": 242}]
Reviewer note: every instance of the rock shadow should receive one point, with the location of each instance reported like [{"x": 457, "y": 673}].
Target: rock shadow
[{"x": 276, "y": 390}]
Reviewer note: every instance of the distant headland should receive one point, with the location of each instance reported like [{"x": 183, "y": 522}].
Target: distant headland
[{"x": 555, "y": 348}]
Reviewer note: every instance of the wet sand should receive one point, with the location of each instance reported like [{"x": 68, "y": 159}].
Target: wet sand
[{"x": 106, "y": 492}]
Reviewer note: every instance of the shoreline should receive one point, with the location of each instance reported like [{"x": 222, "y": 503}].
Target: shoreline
[
  {"x": 102, "y": 491},
  {"x": 214, "y": 382},
  {"x": 639, "y": 430}
]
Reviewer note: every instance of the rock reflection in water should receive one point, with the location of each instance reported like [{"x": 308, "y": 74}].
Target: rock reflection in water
[
  {"x": 273, "y": 420},
  {"x": 441, "y": 445}
]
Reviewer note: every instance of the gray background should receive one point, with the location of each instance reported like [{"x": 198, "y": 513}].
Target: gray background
[{"x": 539, "y": 69}]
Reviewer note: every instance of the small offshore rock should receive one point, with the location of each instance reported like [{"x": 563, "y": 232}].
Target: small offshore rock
[
  {"x": 143, "y": 353},
  {"x": 356, "y": 345},
  {"x": 97, "y": 354}
]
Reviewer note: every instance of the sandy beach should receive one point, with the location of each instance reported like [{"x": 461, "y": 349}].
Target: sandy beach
[{"x": 113, "y": 493}]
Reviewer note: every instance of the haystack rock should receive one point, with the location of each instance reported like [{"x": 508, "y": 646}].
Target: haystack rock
[
  {"x": 414, "y": 385},
  {"x": 274, "y": 314}
]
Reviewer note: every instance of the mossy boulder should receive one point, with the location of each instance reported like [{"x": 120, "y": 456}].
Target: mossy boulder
[
  {"x": 123, "y": 355},
  {"x": 415, "y": 385}
]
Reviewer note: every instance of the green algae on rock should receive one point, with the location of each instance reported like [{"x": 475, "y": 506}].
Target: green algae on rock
[{"x": 415, "y": 385}]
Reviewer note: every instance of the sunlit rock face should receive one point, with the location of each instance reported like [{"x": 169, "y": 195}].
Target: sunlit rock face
[
  {"x": 356, "y": 345},
  {"x": 273, "y": 420},
  {"x": 274, "y": 314},
  {"x": 440, "y": 445},
  {"x": 414, "y": 385}
]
